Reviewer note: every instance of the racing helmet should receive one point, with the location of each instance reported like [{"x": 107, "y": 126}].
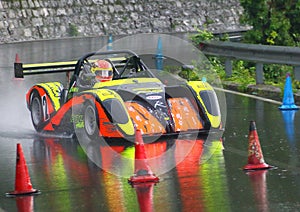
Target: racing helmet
[{"x": 103, "y": 70}]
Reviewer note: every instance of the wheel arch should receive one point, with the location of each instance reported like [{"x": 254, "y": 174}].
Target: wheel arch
[
  {"x": 105, "y": 97},
  {"x": 51, "y": 91}
]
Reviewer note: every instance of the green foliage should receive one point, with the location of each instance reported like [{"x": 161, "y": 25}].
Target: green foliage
[
  {"x": 73, "y": 30},
  {"x": 292, "y": 13},
  {"x": 118, "y": 2},
  {"x": 275, "y": 73},
  {"x": 274, "y": 22},
  {"x": 205, "y": 35},
  {"x": 189, "y": 75},
  {"x": 218, "y": 66},
  {"x": 213, "y": 68},
  {"x": 243, "y": 72},
  {"x": 208, "y": 69},
  {"x": 172, "y": 69},
  {"x": 202, "y": 35}
]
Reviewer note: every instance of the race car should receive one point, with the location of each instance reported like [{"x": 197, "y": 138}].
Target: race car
[{"x": 131, "y": 97}]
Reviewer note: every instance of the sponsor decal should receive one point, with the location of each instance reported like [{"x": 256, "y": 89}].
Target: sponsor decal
[
  {"x": 153, "y": 97},
  {"x": 159, "y": 104}
]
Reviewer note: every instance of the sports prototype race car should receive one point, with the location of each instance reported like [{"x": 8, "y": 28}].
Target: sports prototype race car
[{"x": 110, "y": 94}]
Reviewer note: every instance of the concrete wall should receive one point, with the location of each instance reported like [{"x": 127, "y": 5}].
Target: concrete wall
[{"x": 23, "y": 20}]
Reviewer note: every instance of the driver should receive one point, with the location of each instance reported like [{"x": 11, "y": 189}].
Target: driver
[{"x": 103, "y": 71}]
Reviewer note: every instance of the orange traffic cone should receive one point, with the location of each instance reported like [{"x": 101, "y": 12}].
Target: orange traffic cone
[
  {"x": 17, "y": 59},
  {"x": 142, "y": 171},
  {"x": 23, "y": 185},
  {"x": 144, "y": 194},
  {"x": 255, "y": 157},
  {"x": 25, "y": 203},
  {"x": 259, "y": 184}
]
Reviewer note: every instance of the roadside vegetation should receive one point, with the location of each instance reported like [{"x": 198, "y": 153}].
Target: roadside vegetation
[{"x": 274, "y": 22}]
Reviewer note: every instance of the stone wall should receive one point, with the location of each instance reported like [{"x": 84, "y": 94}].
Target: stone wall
[{"x": 22, "y": 20}]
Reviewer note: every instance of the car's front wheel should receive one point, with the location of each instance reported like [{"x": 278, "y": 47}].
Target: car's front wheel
[{"x": 91, "y": 121}]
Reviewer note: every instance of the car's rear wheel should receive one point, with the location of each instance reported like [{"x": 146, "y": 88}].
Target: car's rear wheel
[
  {"x": 91, "y": 121},
  {"x": 37, "y": 115}
]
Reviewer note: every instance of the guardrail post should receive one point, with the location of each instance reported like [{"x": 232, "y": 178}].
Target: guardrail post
[
  {"x": 259, "y": 73},
  {"x": 228, "y": 67},
  {"x": 297, "y": 72}
]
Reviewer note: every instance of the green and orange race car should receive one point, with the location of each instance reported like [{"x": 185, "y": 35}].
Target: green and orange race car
[{"x": 129, "y": 96}]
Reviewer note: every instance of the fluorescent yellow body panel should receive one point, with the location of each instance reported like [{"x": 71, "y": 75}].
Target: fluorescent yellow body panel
[
  {"x": 126, "y": 82},
  {"x": 53, "y": 89},
  {"x": 199, "y": 86}
]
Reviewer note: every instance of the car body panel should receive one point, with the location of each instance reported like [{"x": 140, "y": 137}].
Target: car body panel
[
  {"x": 109, "y": 95},
  {"x": 200, "y": 87},
  {"x": 156, "y": 103}
]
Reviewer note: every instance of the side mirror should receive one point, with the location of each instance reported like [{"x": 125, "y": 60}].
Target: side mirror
[{"x": 187, "y": 67}]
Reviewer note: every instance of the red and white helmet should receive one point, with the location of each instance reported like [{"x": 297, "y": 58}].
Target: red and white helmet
[{"x": 103, "y": 70}]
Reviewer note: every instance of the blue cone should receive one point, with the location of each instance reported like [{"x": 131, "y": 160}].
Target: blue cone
[
  {"x": 288, "y": 117},
  {"x": 159, "y": 55},
  {"x": 109, "y": 43},
  {"x": 288, "y": 102}
]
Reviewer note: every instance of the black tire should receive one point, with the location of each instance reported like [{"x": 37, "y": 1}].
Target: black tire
[
  {"x": 91, "y": 121},
  {"x": 37, "y": 115}
]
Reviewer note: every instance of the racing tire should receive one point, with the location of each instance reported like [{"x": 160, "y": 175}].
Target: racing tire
[
  {"x": 91, "y": 121},
  {"x": 37, "y": 115}
]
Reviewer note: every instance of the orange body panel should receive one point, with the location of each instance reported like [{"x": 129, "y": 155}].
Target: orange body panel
[
  {"x": 143, "y": 119},
  {"x": 107, "y": 129},
  {"x": 184, "y": 115},
  {"x": 56, "y": 120}
]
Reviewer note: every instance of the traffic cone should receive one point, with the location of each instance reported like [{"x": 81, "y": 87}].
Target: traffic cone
[
  {"x": 109, "y": 44},
  {"x": 17, "y": 59},
  {"x": 144, "y": 194},
  {"x": 23, "y": 185},
  {"x": 25, "y": 203},
  {"x": 142, "y": 171},
  {"x": 159, "y": 58},
  {"x": 255, "y": 157},
  {"x": 259, "y": 185},
  {"x": 288, "y": 102},
  {"x": 288, "y": 117}
]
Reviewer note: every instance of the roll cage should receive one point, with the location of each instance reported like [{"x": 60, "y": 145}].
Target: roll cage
[{"x": 125, "y": 63}]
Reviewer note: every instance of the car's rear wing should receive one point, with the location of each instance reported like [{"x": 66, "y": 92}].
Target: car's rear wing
[{"x": 21, "y": 69}]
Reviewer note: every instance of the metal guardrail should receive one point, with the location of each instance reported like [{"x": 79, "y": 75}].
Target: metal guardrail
[{"x": 260, "y": 54}]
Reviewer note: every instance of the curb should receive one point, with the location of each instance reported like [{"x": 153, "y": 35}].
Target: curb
[{"x": 261, "y": 90}]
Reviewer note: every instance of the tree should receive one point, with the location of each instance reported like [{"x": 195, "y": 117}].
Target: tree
[
  {"x": 293, "y": 15},
  {"x": 274, "y": 22}
]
